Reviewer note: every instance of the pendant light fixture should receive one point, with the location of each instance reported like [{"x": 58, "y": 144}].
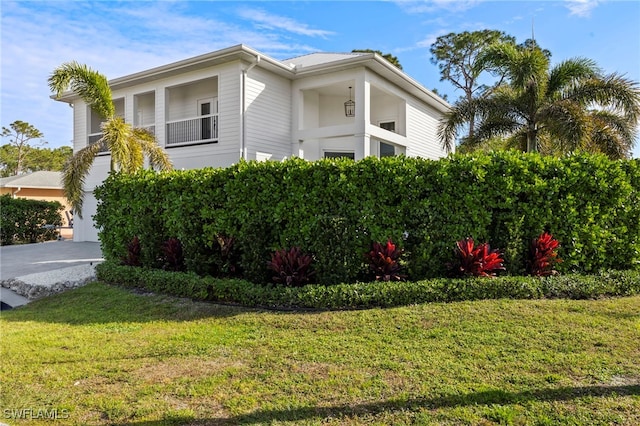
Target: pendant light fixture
[{"x": 350, "y": 106}]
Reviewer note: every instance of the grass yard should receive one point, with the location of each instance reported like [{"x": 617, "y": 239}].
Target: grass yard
[{"x": 103, "y": 355}]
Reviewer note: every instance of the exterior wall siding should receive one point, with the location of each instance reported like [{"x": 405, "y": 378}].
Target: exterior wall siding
[
  {"x": 268, "y": 115},
  {"x": 422, "y": 131}
]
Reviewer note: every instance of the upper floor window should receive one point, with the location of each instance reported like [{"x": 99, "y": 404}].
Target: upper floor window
[{"x": 388, "y": 125}]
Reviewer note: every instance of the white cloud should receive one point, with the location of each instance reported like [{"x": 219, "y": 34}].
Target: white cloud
[
  {"x": 264, "y": 20},
  {"x": 581, "y": 8},
  {"x": 431, "y": 38},
  {"x": 428, "y": 6},
  {"x": 114, "y": 38}
]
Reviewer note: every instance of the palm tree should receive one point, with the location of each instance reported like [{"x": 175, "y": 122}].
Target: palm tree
[
  {"x": 562, "y": 109},
  {"x": 127, "y": 145}
]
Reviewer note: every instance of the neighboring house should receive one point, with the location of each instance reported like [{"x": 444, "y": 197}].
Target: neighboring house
[
  {"x": 42, "y": 185},
  {"x": 237, "y": 103}
]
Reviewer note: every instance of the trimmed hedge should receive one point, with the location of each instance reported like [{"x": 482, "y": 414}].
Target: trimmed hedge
[
  {"x": 369, "y": 295},
  {"x": 22, "y": 220},
  {"x": 335, "y": 209}
]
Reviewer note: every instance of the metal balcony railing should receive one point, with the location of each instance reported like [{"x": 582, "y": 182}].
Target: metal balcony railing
[{"x": 194, "y": 130}]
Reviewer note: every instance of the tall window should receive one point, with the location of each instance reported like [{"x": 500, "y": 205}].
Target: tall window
[{"x": 205, "y": 122}]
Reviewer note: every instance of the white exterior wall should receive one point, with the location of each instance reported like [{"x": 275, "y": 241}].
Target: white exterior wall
[
  {"x": 268, "y": 116},
  {"x": 227, "y": 150},
  {"x": 222, "y": 154},
  {"x": 422, "y": 131}
]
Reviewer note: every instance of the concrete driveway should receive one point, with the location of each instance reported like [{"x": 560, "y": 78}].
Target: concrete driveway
[{"x": 27, "y": 259}]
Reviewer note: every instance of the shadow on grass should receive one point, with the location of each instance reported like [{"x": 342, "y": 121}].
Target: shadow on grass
[
  {"x": 474, "y": 398},
  {"x": 99, "y": 303}
]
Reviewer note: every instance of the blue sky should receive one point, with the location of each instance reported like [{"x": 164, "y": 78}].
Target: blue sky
[{"x": 120, "y": 38}]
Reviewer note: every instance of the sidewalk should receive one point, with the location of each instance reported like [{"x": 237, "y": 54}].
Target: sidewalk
[{"x": 29, "y": 271}]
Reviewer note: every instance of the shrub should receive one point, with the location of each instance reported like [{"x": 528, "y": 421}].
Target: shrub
[
  {"x": 478, "y": 261},
  {"x": 291, "y": 267},
  {"x": 368, "y": 295},
  {"x": 592, "y": 204},
  {"x": 229, "y": 256},
  {"x": 172, "y": 255},
  {"x": 23, "y": 220},
  {"x": 384, "y": 263},
  {"x": 544, "y": 254},
  {"x": 134, "y": 252}
]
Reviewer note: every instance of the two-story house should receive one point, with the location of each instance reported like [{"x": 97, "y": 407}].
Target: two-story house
[{"x": 237, "y": 103}]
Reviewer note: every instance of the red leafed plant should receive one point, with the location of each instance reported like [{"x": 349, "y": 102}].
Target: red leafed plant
[
  {"x": 133, "y": 253},
  {"x": 291, "y": 267},
  {"x": 544, "y": 254},
  {"x": 172, "y": 256},
  {"x": 384, "y": 261},
  {"x": 478, "y": 261},
  {"x": 229, "y": 255}
]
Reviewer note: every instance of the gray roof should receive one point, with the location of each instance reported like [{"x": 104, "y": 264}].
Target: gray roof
[
  {"x": 320, "y": 58},
  {"x": 41, "y": 179}
]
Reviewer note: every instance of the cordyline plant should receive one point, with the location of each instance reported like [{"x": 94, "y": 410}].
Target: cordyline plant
[
  {"x": 291, "y": 267},
  {"x": 544, "y": 254},
  {"x": 229, "y": 255},
  {"x": 134, "y": 250},
  {"x": 384, "y": 261},
  {"x": 478, "y": 261},
  {"x": 172, "y": 255}
]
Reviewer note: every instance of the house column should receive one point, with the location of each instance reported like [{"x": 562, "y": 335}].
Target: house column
[
  {"x": 362, "y": 146},
  {"x": 363, "y": 116},
  {"x": 299, "y": 149}
]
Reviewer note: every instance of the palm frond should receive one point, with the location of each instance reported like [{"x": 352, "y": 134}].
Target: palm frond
[
  {"x": 611, "y": 134},
  {"x": 116, "y": 134},
  {"x": 566, "y": 122},
  {"x": 613, "y": 91},
  {"x": 569, "y": 71},
  {"x": 158, "y": 158},
  {"x": 74, "y": 173},
  {"x": 90, "y": 85},
  {"x": 453, "y": 120}
]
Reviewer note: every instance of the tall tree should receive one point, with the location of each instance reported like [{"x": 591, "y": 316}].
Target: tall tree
[
  {"x": 48, "y": 159},
  {"x": 388, "y": 56},
  {"x": 126, "y": 144},
  {"x": 20, "y": 134},
  {"x": 456, "y": 55},
  {"x": 564, "y": 108},
  {"x": 35, "y": 159}
]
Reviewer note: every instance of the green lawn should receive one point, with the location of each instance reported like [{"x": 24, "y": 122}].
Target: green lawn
[{"x": 104, "y": 355}]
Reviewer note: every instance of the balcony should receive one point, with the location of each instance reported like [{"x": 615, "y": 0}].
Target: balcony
[
  {"x": 203, "y": 129},
  {"x": 95, "y": 137}
]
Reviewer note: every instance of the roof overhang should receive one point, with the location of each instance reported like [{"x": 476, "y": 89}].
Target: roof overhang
[
  {"x": 235, "y": 53},
  {"x": 247, "y": 55}
]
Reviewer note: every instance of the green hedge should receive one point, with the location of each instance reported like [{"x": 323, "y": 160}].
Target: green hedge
[
  {"x": 335, "y": 209},
  {"x": 22, "y": 220},
  {"x": 368, "y": 295}
]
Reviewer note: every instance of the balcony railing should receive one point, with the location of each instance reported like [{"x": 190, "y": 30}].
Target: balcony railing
[
  {"x": 194, "y": 130},
  {"x": 95, "y": 137}
]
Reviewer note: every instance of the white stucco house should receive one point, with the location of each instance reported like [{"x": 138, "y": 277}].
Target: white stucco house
[{"x": 214, "y": 109}]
